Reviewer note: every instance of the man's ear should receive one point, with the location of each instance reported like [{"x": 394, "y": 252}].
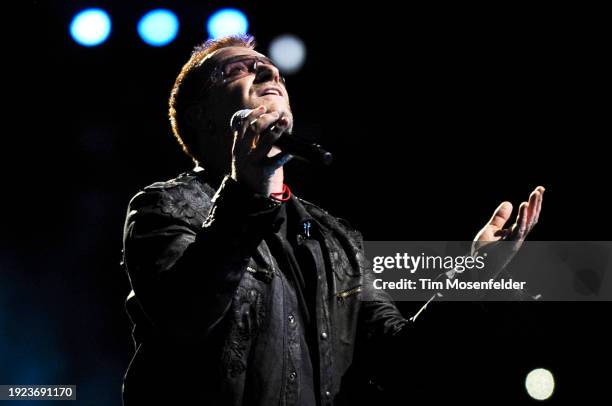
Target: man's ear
[
  {"x": 197, "y": 120},
  {"x": 194, "y": 116}
]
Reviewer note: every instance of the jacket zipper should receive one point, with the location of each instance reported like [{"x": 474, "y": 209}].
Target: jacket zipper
[{"x": 345, "y": 293}]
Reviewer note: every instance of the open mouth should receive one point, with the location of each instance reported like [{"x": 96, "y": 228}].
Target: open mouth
[{"x": 270, "y": 91}]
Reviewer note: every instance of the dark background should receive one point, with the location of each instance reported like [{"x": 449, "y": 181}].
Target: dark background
[{"x": 435, "y": 115}]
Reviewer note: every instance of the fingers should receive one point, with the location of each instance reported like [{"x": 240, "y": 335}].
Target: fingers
[
  {"x": 255, "y": 132},
  {"x": 523, "y": 215},
  {"x": 269, "y": 137},
  {"x": 501, "y": 215},
  {"x": 532, "y": 206},
  {"x": 248, "y": 127},
  {"x": 528, "y": 215},
  {"x": 262, "y": 122},
  {"x": 539, "y": 204},
  {"x": 240, "y": 122},
  {"x": 241, "y": 119},
  {"x": 519, "y": 229},
  {"x": 535, "y": 206}
]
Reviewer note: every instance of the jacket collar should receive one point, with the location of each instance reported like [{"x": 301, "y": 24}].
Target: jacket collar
[{"x": 207, "y": 176}]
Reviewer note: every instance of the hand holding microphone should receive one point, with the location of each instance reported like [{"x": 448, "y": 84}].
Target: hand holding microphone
[
  {"x": 252, "y": 161},
  {"x": 256, "y": 132},
  {"x": 297, "y": 147}
]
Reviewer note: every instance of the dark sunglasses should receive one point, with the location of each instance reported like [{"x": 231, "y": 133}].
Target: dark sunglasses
[{"x": 239, "y": 66}]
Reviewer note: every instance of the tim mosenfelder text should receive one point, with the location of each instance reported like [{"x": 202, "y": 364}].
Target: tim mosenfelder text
[{"x": 449, "y": 266}]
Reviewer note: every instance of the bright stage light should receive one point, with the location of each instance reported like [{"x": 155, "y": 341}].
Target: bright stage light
[
  {"x": 158, "y": 27},
  {"x": 540, "y": 384},
  {"x": 90, "y": 27},
  {"x": 288, "y": 53},
  {"x": 227, "y": 21}
]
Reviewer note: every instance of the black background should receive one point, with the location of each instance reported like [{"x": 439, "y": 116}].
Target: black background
[{"x": 434, "y": 114}]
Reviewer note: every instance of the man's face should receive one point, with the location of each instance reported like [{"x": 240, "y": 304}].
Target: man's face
[{"x": 248, "y": 91}]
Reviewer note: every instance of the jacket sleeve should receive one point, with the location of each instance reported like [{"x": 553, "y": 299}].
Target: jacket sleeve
[
  {"x": 379, "y": 315},
  {"x": 183, "y": 276},
  {"x": 382, "y": 332}
]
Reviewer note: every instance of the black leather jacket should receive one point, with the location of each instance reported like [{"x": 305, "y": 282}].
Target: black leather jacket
[{"x": 215, "y": 319}]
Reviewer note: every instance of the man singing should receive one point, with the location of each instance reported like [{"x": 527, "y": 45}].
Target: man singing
[{"x": 242, "y": 292}]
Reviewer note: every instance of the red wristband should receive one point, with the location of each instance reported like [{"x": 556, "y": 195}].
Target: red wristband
[{"x": 282, "y": 196}]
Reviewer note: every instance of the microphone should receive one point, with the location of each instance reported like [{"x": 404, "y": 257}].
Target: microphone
[
  {"x": 289, "y": 143},
  {"x": 307, "y": 151}
]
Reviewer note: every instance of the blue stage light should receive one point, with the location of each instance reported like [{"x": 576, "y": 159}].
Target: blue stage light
[
  {"x": 158, "y": 27},
  {"x": 90, "y": 27},
  {"x": 227, "y": 21}
]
